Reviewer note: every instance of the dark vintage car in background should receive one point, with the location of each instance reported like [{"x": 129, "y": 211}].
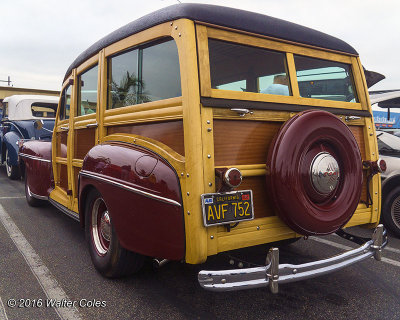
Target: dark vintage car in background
[
  {"x": 19, "y": 114},
  {"x": 201, "y": 129}
]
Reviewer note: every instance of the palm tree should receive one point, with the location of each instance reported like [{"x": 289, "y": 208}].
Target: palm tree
[{"x": 130, "y": 91}]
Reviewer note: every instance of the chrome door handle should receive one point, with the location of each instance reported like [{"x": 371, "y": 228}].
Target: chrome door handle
[{"x": 92, "y": 125}]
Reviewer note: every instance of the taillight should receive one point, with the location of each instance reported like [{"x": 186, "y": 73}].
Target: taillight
[
  {"x": 381, "y": 165},
  {"x": 233, "y": 177}
]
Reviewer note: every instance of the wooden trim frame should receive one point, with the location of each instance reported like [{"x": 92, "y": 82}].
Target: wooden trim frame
[{"x": 204, "y": 33}]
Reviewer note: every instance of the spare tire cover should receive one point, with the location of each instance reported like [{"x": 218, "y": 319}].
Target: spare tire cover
[{"x": 314, "y": 173}]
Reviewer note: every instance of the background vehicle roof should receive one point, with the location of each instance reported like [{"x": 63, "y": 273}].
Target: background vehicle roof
[
  {"x": 19, "y": 106},
  {"x": 389, "y": 95},
  {"x": 222, "y": 16}
]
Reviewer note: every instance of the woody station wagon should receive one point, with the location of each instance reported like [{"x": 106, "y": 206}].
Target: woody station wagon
[{"x": 201, "y": 129}]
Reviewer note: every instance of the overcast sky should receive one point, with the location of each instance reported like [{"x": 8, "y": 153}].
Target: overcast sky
[{"x": 40, "y": 39}]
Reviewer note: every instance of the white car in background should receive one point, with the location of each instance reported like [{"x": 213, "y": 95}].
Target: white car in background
[{"x": 389, "y": 150}]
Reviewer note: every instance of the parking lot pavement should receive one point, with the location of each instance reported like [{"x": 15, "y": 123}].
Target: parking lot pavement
[{"x": 44, "y": 256}]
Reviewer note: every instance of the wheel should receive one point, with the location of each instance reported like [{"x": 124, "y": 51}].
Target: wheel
[
  {"x": 33, "y": 202},
  {"x": 391, "y": 211},
  {"x": 314, "y": 173},
  {"x": 12, "y": 171},
  {"x": 108, "y": 256}
]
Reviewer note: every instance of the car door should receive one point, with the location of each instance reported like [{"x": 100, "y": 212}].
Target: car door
[
  {"x": 61, "y": 136},
  {"x": 85, "y": 122}
]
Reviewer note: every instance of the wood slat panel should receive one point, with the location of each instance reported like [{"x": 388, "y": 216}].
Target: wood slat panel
[
  {"x": 262, "y": 207},
  {"x": 170, "y": 133},
  {"x": 358, "y": 134},
  {"x": 62, "y": 144},
  {"x": 85, "y": 139},
  {"x": 242, "y": 142},
  {"x": 63, "y": 177}
]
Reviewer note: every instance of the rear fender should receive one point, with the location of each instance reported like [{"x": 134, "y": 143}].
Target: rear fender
[
  {"x": 35, "y": 158},
  {"x": 11, "y": 143},
  {"x": 142, "y": 194}
]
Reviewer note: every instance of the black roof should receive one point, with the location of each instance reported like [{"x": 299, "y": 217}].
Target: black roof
[{"x": 223, "y": 16}]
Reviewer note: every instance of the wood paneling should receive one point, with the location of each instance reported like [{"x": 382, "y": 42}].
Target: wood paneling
[
  {"x": 84, "y": 141},
  {"x": 358, "y": 134},
  {"x": 169, "y": 133},
  {"x": 62, "y": 144},
  {"x": 262, "y": 206},
  {"x": 63, "y": 177},
  {"x": 76, "y": 173},
  {"x": 242, "y": 142}
]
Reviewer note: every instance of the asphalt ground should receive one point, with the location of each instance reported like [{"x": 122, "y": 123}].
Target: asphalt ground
[{"x": 43, "y": 256}]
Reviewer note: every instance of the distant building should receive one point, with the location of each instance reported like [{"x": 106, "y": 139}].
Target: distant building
[{"x": 9, "y": 91}]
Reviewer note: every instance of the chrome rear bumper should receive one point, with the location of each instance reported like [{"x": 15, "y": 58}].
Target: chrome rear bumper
[{"x": 273, "y": 273}]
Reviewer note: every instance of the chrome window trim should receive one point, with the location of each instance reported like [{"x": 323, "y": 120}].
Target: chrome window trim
[
  {"x": 132, "y": 189},
  {"x": 24, "y": 155}
]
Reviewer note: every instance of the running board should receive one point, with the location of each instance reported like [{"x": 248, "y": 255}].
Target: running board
[{"x": 66, "y": 211}]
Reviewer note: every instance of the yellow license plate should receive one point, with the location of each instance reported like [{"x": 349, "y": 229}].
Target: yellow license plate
[{"x": 227, "y": 207}]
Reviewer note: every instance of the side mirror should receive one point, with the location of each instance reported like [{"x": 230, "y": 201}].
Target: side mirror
[{"x": 38, "y": 124}]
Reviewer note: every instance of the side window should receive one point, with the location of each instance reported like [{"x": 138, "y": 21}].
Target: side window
[
  {"x": 87, "y": 92},
  {"x": 65, "y": 103},
  {"x": 144, "y": 74},
  {"x": 324, "y": 79},
  {"x": 160, "y": 72},
  {"x": 238, "y": 67}
]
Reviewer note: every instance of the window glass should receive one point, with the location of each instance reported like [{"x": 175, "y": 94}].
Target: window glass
[
  {"x": 87, "y": 92},
  {"x": 44, "y": 109},
  {"x": 144, "y": 75},
  {"x": 160, "y": 72},
  {"x": 242, "y": 68},
  {"x": 123, "y": 79},
  {"x": 323, "y": 79},
  {"x": 5, "y": 109},
  {"x": 65, "y": 103}
]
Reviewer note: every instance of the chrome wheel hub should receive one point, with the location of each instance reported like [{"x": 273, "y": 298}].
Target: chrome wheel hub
[
  {"x": 324, "y": 172},
  {"x": 105, "y": 226},
  {"x": 101, "y": 227}
]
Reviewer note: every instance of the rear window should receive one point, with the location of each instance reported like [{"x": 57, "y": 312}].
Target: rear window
[
  {"x": 249, "y": 69},
  {"x": 324, "y": 79},
  {"x": 44, "y": 109}
]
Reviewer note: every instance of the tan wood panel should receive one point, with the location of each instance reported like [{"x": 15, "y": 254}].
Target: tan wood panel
[
  {"x": 169, "y": 133},
  {"x": 242, "y": 142}
]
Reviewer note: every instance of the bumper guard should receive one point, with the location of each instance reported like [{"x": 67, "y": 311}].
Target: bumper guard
[{"x": 274, "y": 273}]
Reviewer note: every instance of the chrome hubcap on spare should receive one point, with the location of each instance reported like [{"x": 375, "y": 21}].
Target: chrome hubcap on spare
[
  {"x": 395, "y": 212},
  {"x": 101, "y": 227},
  {"x": 324, "y": 172}
]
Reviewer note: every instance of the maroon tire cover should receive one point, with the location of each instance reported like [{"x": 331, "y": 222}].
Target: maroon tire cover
[{"x": 290, "y": 158}]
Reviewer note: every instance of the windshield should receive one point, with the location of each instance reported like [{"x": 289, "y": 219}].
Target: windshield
[{"x": 388, "y": 144}]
